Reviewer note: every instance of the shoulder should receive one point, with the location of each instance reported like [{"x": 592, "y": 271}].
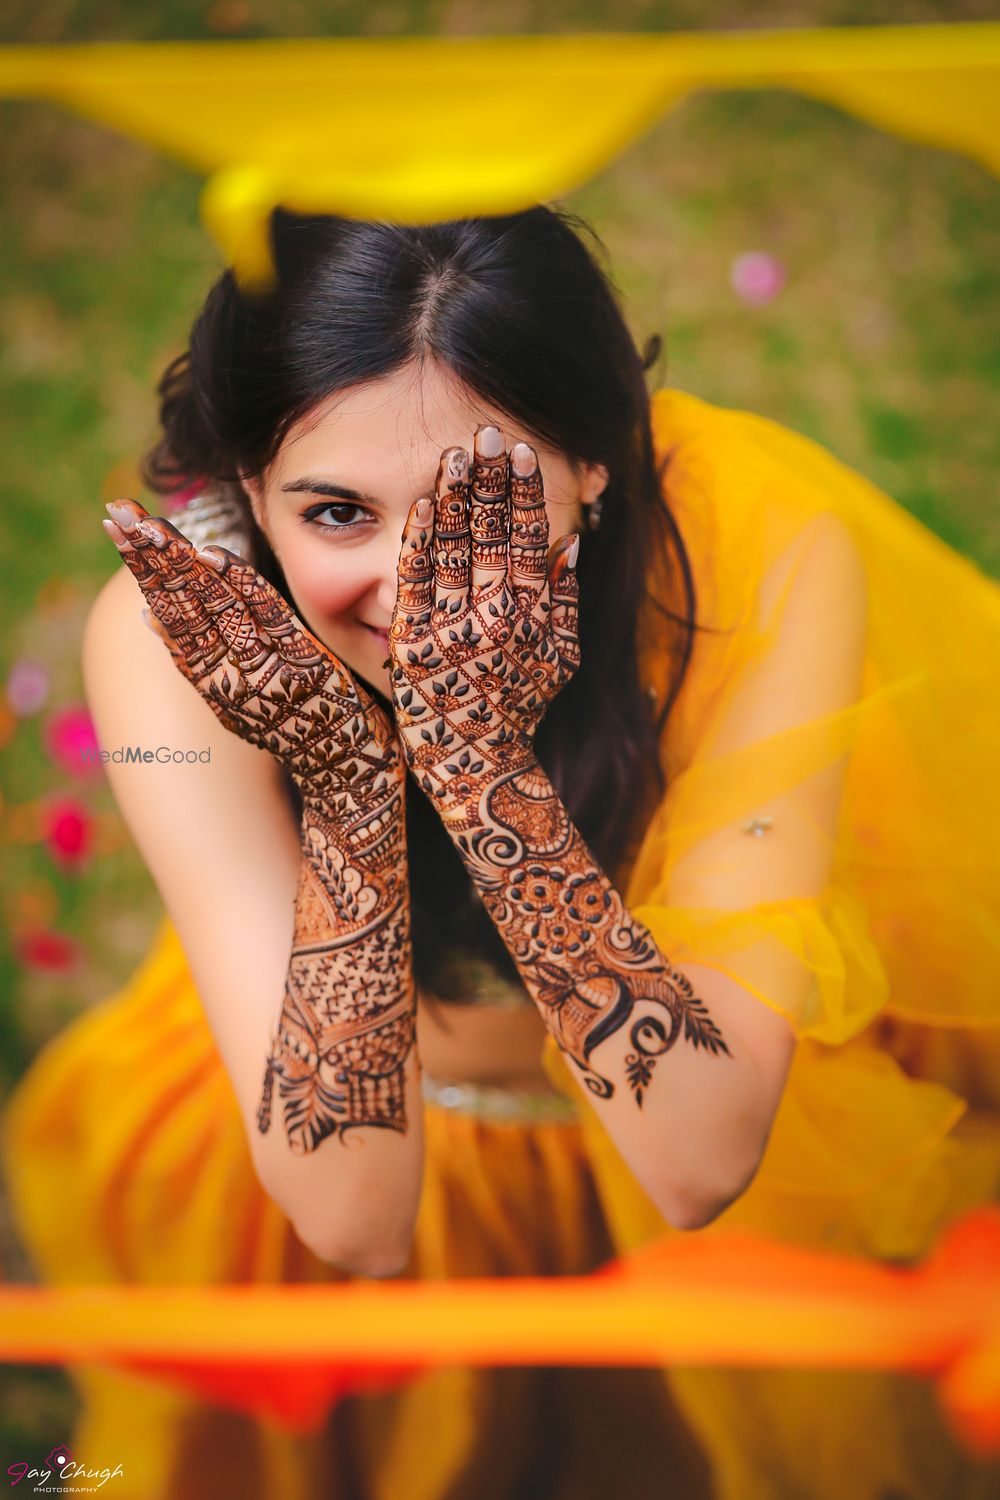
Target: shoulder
[
  {"x": 748, "y": 492},
  {"x": 768, "y": 520},
  {"x": 756, "y": 469}
]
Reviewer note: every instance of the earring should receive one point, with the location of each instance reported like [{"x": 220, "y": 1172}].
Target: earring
[{"x": 594, "y": 512}]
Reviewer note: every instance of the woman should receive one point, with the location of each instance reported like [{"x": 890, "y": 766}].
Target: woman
[{"x": 636, "y": 947}]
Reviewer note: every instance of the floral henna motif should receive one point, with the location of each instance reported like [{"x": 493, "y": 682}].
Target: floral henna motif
[
  {"x": 485, "y": 635},
  {"x": 348, "y": 1017},
  {"x": 586, "y": 960},
  {"x": 473, "y": 670}
]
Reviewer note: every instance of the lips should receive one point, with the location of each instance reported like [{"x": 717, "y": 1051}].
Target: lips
[{"x": 382, "y": 635}]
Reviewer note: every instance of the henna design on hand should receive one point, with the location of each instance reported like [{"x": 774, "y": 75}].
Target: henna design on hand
[
  {"x": 348, "y": 1017},
  {"x": 474, "y": 669},
  {"x": 484, "y": 636}
]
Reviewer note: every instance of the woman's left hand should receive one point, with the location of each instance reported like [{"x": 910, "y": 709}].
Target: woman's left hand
[{"x": 484, "y": 632}]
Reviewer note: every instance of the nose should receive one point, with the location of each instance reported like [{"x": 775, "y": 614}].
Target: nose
[{"x": 383, "y": 598}]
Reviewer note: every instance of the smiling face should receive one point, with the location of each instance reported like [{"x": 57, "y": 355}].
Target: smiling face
[{"x": 334, "y": 502}]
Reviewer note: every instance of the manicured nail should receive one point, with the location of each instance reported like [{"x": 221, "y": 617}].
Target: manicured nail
[
  {"x": 126, "y": 518},
  {"x": 458, "y": 465},
  {"x": 522, "y": 460},
  {"x": 489, "y": 442},
  {"x": 573, "y": 552},
  {"x": 424, "y": 511},
  {"x": 115, "y": 533}
]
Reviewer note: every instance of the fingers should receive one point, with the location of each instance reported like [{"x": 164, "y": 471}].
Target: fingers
[
  {"x": 415, "y": 584},
  {"x": 163, "y": 564},
  {"x": 213, "y": 603},
  {"x": 488, "y": 509},
  {"x": 277, "y": 624},
  {"x": 529, "y": 527},
  {"x": 451, "y": 533},
  {"x": 153, "y": 624},
  {"x": 565, "y": 595}
]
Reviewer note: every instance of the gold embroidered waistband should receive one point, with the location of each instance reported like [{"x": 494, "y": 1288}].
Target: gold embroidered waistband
[{"x": 513, "y": 1104}]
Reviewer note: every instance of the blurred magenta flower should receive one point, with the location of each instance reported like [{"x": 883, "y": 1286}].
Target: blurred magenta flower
[
  {"x": 757, "y": 277},
  {"x": 27, "y": 686},
  {"x": 46, "y": 950},
  {"x": 67, "y": 829},
  {"x": 179, "y": 498},
  {"x": 72, "y": 742}
]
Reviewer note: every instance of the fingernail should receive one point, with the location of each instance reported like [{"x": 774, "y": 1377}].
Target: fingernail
[
  {"x": 126, "y": 518},
  {"x": 458, "y": 465},
  {"x": 147, "y": 620},
  {"x": 573, "y": 552},
  {"x": 115, "y": 533},
  {"x": 522, "y": 460},
  {"x": 211, "y": 558},
  {"x": 489, "y": 442},
  {"x": 424, "y": 511}
]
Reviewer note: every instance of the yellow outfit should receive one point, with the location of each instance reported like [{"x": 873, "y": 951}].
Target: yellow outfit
[{"x": 865, "y": 910}]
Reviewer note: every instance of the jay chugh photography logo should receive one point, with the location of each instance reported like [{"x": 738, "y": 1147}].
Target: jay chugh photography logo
[{"x": 61, "y": 1473}]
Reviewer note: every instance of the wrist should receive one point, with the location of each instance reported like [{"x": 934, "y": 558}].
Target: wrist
[
  {"x": 496, "y": 831},
  {"x": 369, "y": 833},
  {"x": 472, "y": 802}
]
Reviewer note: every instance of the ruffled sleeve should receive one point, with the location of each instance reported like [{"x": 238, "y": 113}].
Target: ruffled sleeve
[
  {"x": 786, "y": 851},
  {"x": 738, "y": 868}
]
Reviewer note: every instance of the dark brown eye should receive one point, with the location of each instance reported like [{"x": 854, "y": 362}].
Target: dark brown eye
[{"x": 311, "y": 517}]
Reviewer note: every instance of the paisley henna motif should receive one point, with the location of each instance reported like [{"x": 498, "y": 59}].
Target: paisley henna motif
[
  {"x": 348, "y": 1018},
  {"x": 485, "y": 635}
]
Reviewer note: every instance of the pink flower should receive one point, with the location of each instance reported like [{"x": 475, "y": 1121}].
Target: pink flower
[
  {"x": 27, "y": 686},
  {"x": 46, "y": 950},
  {"x": 67, "y": 831},
  {"x": 757, "y": 277},
  {"x": 71, "y": 741}
]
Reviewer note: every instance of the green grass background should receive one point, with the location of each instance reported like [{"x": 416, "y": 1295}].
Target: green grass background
[{"x": 884, "y": 345}]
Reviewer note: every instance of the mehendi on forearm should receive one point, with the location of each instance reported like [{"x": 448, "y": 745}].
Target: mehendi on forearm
[
  {"x": 347, "y": 1022},
  {"x": 480, "y": 648},
  {"x": 348, "y": 1018},
  {"x": 590, "y": 965}
]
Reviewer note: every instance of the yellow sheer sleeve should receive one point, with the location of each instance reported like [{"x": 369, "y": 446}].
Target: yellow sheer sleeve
[
  {"x": 828, "y": 837},
  {"x": 737, "y": 869}
]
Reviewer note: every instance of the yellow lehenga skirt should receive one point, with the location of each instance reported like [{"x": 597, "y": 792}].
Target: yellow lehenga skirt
[{"x": 126, "y": 1162}]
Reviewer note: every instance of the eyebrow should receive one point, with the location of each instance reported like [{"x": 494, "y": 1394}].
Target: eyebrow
[{"x": 311, "y": 485}]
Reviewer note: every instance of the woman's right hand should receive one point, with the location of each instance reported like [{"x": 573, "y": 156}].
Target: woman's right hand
[{"x": 262, "y": 672}]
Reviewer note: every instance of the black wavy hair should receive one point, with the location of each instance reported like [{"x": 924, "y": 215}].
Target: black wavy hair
[{"x": 520, "y": 309}]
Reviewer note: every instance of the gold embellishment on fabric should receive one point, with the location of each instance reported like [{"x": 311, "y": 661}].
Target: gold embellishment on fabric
[
  {"x": 216, "y": 516},
  {"x": 490, "y": 1102},
  {"x": 757, "y": 826}
]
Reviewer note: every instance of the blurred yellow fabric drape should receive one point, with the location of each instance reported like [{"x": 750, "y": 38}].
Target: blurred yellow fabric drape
[{"x": 427, "y": 128}]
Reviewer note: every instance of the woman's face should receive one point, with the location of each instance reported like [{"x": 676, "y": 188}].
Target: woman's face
[{"x": 334, "y": 501}]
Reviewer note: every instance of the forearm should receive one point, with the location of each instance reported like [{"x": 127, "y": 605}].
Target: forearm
[
  {"x": 680, "y": 1100},
  {"x": 340, "y": 1123}
]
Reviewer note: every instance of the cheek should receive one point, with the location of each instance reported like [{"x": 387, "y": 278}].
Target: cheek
[{"x": 323, "y": 583}]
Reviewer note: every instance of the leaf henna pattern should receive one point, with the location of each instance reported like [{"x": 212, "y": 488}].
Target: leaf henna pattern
[
  {"x": 348, "y": 1017},
  {"x": 484, "y": 636}
]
